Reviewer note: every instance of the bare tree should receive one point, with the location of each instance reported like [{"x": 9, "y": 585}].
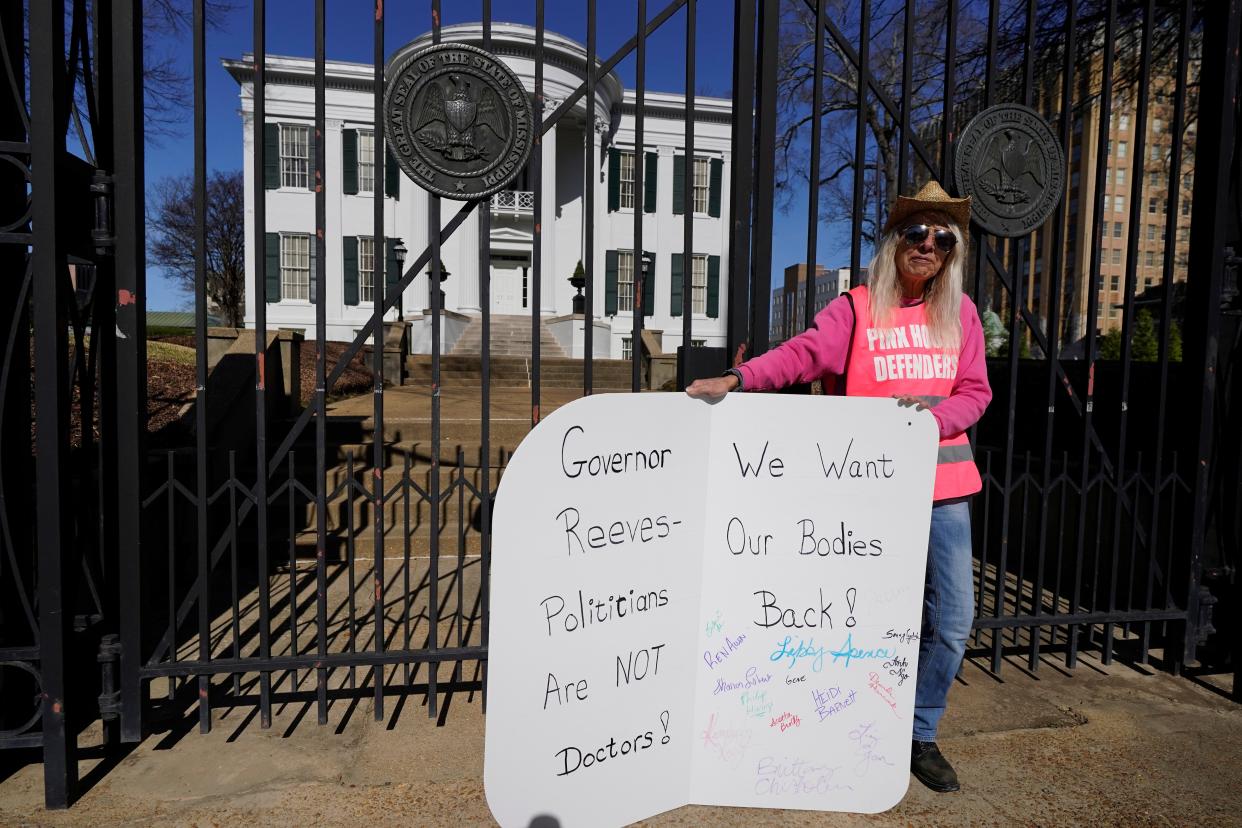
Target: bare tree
[{"x": 171, "y": 225}]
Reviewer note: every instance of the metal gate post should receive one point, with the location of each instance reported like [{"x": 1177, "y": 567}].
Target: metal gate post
[
  {"x": 48, "y": 84},
  {"x": 1209, "y": 231},
  {"x": 131, "y": 348},
  {"x": 741, "y": 181}
]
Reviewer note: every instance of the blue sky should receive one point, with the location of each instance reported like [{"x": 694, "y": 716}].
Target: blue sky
[{"x": 291, "y": 31}]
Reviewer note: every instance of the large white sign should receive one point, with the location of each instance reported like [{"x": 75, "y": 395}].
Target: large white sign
[{"x": 708, "y": 604}]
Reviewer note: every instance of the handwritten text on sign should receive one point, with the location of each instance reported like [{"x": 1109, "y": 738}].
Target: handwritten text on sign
[{"x": 710, "y": 604}]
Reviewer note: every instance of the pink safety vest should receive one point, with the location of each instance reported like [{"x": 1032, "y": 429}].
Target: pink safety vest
[{"x": 900, "y": 360}]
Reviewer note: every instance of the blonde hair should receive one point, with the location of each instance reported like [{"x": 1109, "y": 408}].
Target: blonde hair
[{"x": 942, "y": 296}]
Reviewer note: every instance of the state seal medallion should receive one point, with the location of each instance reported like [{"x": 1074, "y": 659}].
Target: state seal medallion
[
  {"x": 1010, "y": 163},
  {"x": 458, "y": 121}
]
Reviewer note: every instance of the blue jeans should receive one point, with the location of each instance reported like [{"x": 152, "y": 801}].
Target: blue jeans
[{"x": 948, "y": 612}]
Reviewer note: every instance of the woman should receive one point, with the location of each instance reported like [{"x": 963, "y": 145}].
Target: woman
[{"x": 912, "y": 305}]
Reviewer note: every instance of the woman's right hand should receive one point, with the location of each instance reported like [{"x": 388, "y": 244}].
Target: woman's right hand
[{"x": 712, "y": 388}]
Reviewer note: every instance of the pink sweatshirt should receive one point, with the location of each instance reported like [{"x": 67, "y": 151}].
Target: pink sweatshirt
[{"x": 821, "y": 349}]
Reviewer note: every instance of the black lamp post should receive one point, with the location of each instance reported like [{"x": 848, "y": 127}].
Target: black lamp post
[{"x": 398, "y": 253}]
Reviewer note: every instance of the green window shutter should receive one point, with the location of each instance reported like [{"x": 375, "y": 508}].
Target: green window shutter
[
  {"x": 349, "y": 161},
  {"x": 649, "y": 183},
  {"x": 314, "y": 272},
  {"x": 610, "y": 283},
  {"x": 311, "y": 164},
  {"x": 649, "y": 288},
  {"x": 351, "y": 270},
  {"x": 272, "y": 265},
  {"x": 392, "y": 180},
  {"x": 675, "y": 293},
  {"x": 679, "y": 185},
  {"x": 614, "y": 179},
  {"x": 713, "y": 286},
  {"x": 271, "y": 156},
  {"x": 392, "y": 270},
  {"x": 713, "y": 193}
]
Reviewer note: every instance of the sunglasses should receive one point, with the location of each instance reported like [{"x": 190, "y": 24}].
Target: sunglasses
[{"x": 917, "y": 234}]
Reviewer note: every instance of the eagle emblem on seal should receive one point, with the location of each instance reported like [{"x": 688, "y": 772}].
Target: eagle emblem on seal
[{"x": 456, "y": 121}]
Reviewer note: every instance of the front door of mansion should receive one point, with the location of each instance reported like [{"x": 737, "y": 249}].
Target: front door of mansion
[{"x": 510, "y": 283}]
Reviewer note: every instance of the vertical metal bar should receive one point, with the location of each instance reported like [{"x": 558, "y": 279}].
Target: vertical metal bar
[
  {"x": 950, "y": 81},
  {"x": 485, "y": 446},
  {"x": 170, "y": 513},
  {"x": 321, "y": 418},
  {"x": 1166, "y": 311},
  {"x": 1065, "y": 125},
  {"x": 200, "y": 361},
  {"x": 1209, "y": 228},
  {"x": 639, "y": 269},
  {"x": 351, "y": 602},
  {"x": 433, "y": 487},
  {"x": 235, "y": 592},
  {"x": 907, "y": 72},
  {"x": 1127, "y": 316},
  {"x": 536, "y": 166},
  {"x": 1093, "y": 289},
  {"x": 591, "y": 181},
  {"x": 50, "y": 267},
  {"x": 812, "y": 196},
  {"x": 291, "y": 481},
  {"x": 687, "y": 204},
  {"x": 260, "y": 349},
  {"x": 406, "y": 596},
  {"x": 765, "y": 170},
  {"x": 131, "y": 397},
  {"x": 379, "y": 284},
  {"x": 860, "y": 139},
  {"x": 742, "y": 150}
]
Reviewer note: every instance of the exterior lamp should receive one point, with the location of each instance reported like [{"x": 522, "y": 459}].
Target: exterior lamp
[
  {"x": 578, "y": 280},
  {"x": 398, "y": 252}
]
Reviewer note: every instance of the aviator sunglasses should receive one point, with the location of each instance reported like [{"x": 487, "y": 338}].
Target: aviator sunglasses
[{"x": 917, "y": 234}]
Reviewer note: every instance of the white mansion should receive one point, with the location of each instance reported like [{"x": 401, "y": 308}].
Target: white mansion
[{"x": 609, "y": 123}]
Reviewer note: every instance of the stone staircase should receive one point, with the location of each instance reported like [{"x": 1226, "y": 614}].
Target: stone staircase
[{"x": 510, "y": 336}]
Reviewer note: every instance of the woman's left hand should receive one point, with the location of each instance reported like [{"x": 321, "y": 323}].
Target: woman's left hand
[{"x": 910, "y": 399}]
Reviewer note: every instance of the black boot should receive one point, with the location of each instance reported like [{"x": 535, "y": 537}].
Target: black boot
[{"x": 931, "y": 768}]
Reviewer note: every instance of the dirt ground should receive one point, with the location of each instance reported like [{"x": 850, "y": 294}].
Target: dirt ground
[{"x": 1101, "y": 746}]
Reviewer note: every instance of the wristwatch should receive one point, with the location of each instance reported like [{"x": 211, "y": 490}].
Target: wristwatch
[{"x": 741, "y": 381}]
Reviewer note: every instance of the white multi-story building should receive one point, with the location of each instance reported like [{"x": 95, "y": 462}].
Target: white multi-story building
[{"x": 608, "y": 122}]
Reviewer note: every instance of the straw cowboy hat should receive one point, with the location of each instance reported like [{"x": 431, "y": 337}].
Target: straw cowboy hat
[{"x": 931, "y": 197}]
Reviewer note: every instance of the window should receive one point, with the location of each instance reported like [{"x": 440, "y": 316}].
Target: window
[
  {"x": 1122, "y": 147},
  {"x": 698, "y": 285},
  {"x": 1114, "y": 283},
  {"x": 1151, "y": 258},
  {"x": 625, "y": 279},
  {"x": 1112, "y": 312},
  {"x": 366, "y": 165},
  {"x": 1116, "y": 255},
  {"x": 1124, "y": 121},
  {"x": 1186, "y": 208},
  {"x": 366, "y": 266},
  {"x": 1155, "y": 152},
  {"x": 1121, "y": 177},
  {"x": 1109, "y": 148},
  {"x": 294, "y": 156},
  {"x": 1151, "y": 232},
  {"x": 698, "y": 343},
  {"x": 627, "y": 347},
  {"x": 1147, "y": 283},
  {"x": 1164, "y": 205},
  {"x": 1153, "y": 179},
  {"x": 1119, "y": 203},
  {"x": 627, "y": 186},
  {"x": 295, "y": 266},
  {"x": 1188, "y": 180},
  {"x": 1116, "y": 229},
  {"x": 701, "y": 186},
  {"x": 1157, "y": 126},
  {"x": 1151, "y": 205}
]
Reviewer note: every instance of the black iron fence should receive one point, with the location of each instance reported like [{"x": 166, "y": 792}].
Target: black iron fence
[{"x": 298, "y": 562}]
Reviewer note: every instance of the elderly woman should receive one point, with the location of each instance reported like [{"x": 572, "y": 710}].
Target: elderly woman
[{"x": 914, "y": 284}]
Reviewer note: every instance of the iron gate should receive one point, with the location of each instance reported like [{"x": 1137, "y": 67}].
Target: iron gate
[{"x": 1093, "y": 526}]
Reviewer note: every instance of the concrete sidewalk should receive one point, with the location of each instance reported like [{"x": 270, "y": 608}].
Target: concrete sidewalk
[{"x": 1102, "y": 746}]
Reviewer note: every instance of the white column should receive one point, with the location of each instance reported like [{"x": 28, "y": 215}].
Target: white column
[
  {"x": 547, "y": 219},
  {"x": 468, "y": 286}
]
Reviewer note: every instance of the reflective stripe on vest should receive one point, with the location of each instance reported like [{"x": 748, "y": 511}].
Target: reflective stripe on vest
[{"x": 900, "y": 360}]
